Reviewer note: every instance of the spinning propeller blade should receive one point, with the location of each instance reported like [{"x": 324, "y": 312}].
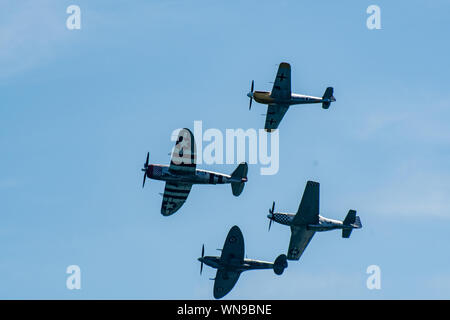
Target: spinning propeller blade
[
  {"x": 271, "y": 212},
  {"x": 145, "y": 169},
  {"x": 203, "y": 254},
  {"x": 251, "y": 94}
]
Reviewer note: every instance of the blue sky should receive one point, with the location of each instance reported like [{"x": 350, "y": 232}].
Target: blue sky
[{"x": 80, "y": 109}]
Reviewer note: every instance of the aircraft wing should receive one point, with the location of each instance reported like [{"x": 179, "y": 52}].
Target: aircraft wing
[
  {"x": 184, "y": 156},
  {"x": 224, "y": 282},
  {"x": 282, "y": 86},
  {"x": 308, "y": 211},
  {"x": 175, "y": 194},
  {"x": 275, "y": 112},
  {"x": 233, "y": 247},
  {"x": 300, "y": 238}
]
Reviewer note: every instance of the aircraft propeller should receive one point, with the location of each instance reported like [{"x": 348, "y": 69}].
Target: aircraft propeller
[
  {"x": 203, "y": 254},
  {"x": 145, "y": 169},
  {"x": 271, "y": 212},
  {"x": 250, "y": 95}
]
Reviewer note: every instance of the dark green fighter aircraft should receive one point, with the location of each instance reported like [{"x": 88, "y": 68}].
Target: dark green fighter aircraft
[{"x": 232, "y": 263}]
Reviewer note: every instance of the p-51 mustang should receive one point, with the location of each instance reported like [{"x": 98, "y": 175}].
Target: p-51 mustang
[
  {"x": 232, "y": 262},
  {"x": 281, "y": 98},
  {"x": 181, "y": 174},
  {"x": 307, "y": 221}
]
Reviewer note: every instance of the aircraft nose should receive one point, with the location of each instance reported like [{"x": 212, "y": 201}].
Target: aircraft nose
[{"x": 250, "y": 94}]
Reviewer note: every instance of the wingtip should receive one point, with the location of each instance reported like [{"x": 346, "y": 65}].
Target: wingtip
[
  {"x": 235, "y": 228},
  {"x": 188, "y": 130}
]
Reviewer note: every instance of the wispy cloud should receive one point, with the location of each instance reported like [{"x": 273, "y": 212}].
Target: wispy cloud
[
  {"x": 413, "y": 191},
  {"x": 411, "y": 142},
  {"x": 9, "y": 183},
  {"x": 439, "y": 284},
  {"x": 415, "y": 119},
  {"x": 29, "y": 34}
]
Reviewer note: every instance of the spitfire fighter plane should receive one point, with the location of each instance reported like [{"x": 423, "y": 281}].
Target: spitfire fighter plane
[
  {"x": 232, "y": 263},
  {"x": 181, "y": 174},
  {"x": 280, "y": 98},
  {"x": 307, "y": 221}
]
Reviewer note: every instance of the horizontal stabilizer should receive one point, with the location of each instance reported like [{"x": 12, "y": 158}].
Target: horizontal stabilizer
[
  {"x": 237, "y": 188},
  {"x": 346, "y": 233},
  {"x": 326, "y": 105}
]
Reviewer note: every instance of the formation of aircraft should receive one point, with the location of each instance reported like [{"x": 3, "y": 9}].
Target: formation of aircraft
[
  {"x": 182, "y": 173},
  {"x": 232, "y": 263},
  {"x": 307, "y": 221},
  {"x": 281, "y": 98}
]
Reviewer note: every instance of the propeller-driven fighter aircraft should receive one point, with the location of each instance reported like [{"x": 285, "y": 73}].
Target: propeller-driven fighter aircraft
[
  {"x": 307, "y": 221},
  {"x": 181, "y": 174},
  {"x": 232, "y": 262},
  {"x": 281, "y": 98}
]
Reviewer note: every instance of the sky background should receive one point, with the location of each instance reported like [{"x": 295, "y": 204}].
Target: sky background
[{"x": 80, "y": 109}]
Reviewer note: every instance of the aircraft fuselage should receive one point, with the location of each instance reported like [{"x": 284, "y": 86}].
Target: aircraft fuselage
[
  {"x": 324, "y": 224},
  {"x": 235, "y": 264},
  {"x": 264, "y": 97},
  {"x": 162, "y": 172}
]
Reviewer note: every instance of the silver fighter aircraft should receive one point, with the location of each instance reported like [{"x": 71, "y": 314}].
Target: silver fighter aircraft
[
  {"x": 232, "y": 263},
  {"x": 280, "y": 98},
  {"x": 307, "y": 221},
  {"x": 181, "y": 174}
]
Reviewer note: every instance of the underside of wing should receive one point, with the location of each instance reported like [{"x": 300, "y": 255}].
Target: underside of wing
[
  {"x": 233, "y": 248},
  {"x": 225, "y": 281},
  {"x": 308, "y": 211},
  {"x": 175, "y": 194},
  {"x": 300, "y": 238},
  {"x": 184, "y": 156},
  {"x": 282, "y": 86},
  {"x": 275, "y": 112}
]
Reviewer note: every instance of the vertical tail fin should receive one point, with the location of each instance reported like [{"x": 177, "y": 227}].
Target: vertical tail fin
[
  {"x": 328, "y": 98},
  {"x": 352, "y": 221},
  {"x": 239, "y": 174},
  {"x": 350, "y": 218}
]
